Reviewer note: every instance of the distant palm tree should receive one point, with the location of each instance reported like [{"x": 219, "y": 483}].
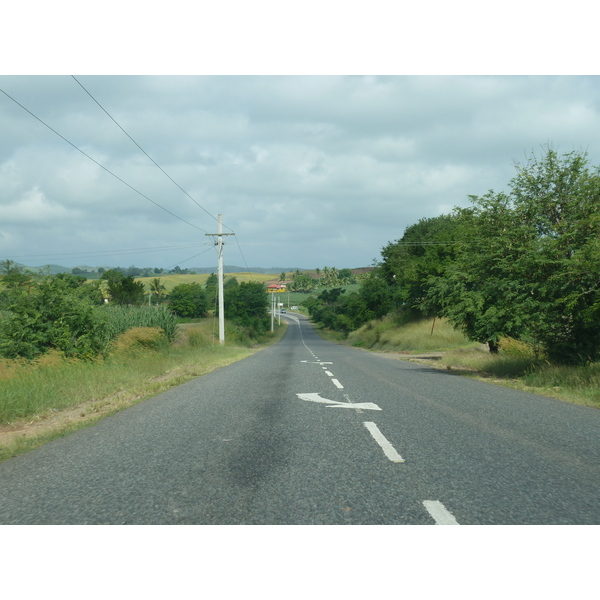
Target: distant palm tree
[{"x": 157, "y": 288}]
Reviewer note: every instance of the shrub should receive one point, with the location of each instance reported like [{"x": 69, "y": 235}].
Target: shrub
[
  {"x": 50, "y": 316},
  {"x": 188, "y": 300},
  {"x": 118, "y": 319},
  {"x": 137, "y": 338}
]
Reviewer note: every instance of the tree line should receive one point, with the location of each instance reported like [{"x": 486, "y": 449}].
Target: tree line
[
  {"x": 67, "y": 313},
  {"x": 523, "y": 264}
]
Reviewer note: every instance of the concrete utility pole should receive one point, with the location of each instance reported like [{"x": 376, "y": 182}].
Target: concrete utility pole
[{"x": 219, "y": 244}]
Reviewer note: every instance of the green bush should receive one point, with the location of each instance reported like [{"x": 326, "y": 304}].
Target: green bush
[
  {"x": 188, "y": 300},
  {"x": 50, "y": 316}
]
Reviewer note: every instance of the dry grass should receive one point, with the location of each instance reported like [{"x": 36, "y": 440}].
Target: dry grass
[
  {"x": 49, "y": 397},
  {"x": 420, "y": 336},
  {"x": 170, "y": 281}
]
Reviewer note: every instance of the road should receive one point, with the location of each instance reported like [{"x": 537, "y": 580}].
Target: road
[{"x": 310, "y": 432}]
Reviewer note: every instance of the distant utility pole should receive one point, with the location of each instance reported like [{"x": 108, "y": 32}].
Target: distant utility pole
[{"x": 219, "y": 244}]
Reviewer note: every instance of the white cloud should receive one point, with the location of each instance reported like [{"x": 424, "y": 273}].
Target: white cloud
[
  {"x": 32, "y": 207},
  {"x": 328, "y": 168}
]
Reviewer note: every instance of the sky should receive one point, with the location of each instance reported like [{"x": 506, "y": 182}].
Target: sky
[
  {"x": 319, "y": 135},
  {"x": 307, "y": 171}
]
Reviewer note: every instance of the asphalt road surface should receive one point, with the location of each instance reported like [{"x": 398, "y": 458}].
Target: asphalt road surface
[{"x": 310, "y": 432}]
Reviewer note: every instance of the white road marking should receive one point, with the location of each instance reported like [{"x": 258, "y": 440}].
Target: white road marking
[
  {"x": 337, "y": 384},
  {"x": 329, "y": 373},
  {"x": 439, "y": 512},
  {"x": 316, "y": 363},
  {"x": 335, "y": 404},
  {"x": 387, "y": 448}
]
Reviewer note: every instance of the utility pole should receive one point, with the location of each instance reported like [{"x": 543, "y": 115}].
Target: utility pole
[
  {"x": 219, "y": 244},
  {"x": 272, "y": 312}
]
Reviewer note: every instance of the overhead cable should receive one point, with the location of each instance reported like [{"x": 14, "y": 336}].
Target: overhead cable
[
  {"x": 155, "y": 163},
  {"x": 99, "y": 164}
]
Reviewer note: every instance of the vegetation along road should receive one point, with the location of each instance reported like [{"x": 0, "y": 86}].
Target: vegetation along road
[{"x": 310, "y": 432}]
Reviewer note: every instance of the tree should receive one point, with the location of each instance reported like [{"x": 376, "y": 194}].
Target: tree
[
  {"x": 346, "y": 277},
  {"x": 8, "y": 266},
  {"x": 157, "y": 288},
  {"x": 188, "y": 300},
  {"x": 302, "y": 283},
  {"x": 423, "y": 252},
  {"x": 246, "y": 305},
  {"x": 211, "y": 286},
  {"x": 122, "y": 289},
  {"x": 530, "y": 267},
  {"x": 51, "y": 316}
]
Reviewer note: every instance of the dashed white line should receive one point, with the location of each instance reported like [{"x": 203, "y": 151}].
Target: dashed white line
[
  {"x": 387, "y": 448},
  {"x": 329, "y": 373},
  {"x": 439, "y": 512},
  {"x": 337, "y": 384}
]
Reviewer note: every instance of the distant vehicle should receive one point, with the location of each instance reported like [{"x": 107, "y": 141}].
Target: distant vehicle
[
  {"x": 283, "y": 310},
  {"x": 294, "y": 308}
]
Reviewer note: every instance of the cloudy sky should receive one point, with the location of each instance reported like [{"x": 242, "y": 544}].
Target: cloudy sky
[{"x": 307, "y": 171}]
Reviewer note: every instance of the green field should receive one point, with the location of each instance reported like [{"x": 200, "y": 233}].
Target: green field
[{"x": 170, "y": 281}]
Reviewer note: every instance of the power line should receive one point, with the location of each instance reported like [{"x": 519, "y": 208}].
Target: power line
[
  {"x": 190, "y": 258},
  {"x": 99, "y": 164},
  {"x": 242, "y": 254},
  {"x": 123, "y": 130}
]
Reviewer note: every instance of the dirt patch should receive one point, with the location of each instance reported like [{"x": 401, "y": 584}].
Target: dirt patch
[{"x": 56, "y": 420}]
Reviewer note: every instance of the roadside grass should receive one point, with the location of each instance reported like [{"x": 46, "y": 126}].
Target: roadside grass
[
  {"x": 426, "y": 335},
  {"x": 44, "y": 399},
  {"x": 517, "y": 365},
  {"x": 575, "y": 384}
]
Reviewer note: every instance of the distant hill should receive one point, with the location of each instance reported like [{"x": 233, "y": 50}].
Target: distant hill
[
  {"x": 234, "y": 269},
  {"x": 55, "y": 269},
  {"x": 50, "y": 269}
]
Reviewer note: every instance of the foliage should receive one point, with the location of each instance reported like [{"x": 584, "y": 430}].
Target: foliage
[
  {"x": 157, "y": 289},
  {"x": 118, "y": 319},
  {"x": 122, "y": 289},
  {"x": 50, "y": 316},
  {"x": 530, "y": 267},
  {"x": 188, "y": 300},
  {"x": 137, "y": 339},
  {"x": 301, "y": 282},
  {"x": 246, "y": 305},
  {"x": 323, "y": 308},
  {"x": 350, "y": 311},
  {"x": 212, "y": 289},
  {"x": 424, "y": 251}
]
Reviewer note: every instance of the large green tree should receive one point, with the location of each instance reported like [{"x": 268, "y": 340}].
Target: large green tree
[
  {"x": 123, "y": 289},
  {"x": 423, "y": 252},
  {"x": 529, "y": 267},
  {"x": 246, "y": 305},
  {"x": 188, "y": 300}
]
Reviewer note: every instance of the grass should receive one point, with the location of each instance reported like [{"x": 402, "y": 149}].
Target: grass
[
  {"x": 575, "y": 384},
  {"x": 426, "y": 335},
  {"x": 50, "y": 397},
  {"x": 170, "y": 281},
  {"x": 517, "y": 365}
]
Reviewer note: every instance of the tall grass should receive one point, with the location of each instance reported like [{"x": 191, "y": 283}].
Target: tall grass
[
  {"x": 138, "y": 364},
  {"x": 118, "y": 319},
  {"x": 527, "y": 371},
  {"x": 420, "y": 336}
]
